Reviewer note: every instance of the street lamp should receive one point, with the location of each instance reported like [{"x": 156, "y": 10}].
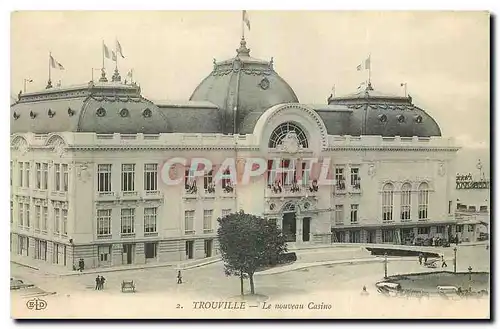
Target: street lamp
[
  {"x": 455, "y": 260},
  {"x": 385, "y": 266},
  {"x": 470, "y": 278}
]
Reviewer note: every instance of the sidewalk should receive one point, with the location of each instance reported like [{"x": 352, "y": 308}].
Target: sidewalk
[
  {"x": 299, "y": 266},
  {"x": 62, "y": 271}
]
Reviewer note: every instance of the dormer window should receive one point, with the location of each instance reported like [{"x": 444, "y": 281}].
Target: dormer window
[
  {"x": 32, "y": 114},
  {"x": 401, "y": 118},
  {"x": 146, "y": 113},
  {"x": 51, "y": 113},
  {"x": 418, "y": 119},
  {"x": 382, "y": 118},
  {"x": 283, "y": 130}
]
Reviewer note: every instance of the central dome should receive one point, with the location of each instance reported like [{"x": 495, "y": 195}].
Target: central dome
[{"x": 243, "y": 85}]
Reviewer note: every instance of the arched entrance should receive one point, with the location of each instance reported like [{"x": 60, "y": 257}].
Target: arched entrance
[{"x": 289, "y": 226}]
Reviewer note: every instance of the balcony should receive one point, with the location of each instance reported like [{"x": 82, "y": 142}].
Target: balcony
[
  {"x": 38, "y": 193},
  {"x": 130, "y": 195},
  {"x": 128, "y": 235},
  {"x": 189, "y": 232},
  {"x": 103, "y": 236},
  {"x": 152, "y": 195},
  {"x": 355, "y": 188},
  {"x": 209, "y": 191},
  {"x": 340, "y": 187},
  {"x": 208, "y": 230},
  {"x": 106, "y": 195},
  {"x": 227, "y": 191},
  {"x": 59, "y": 195},
  {"x": 291, "y": 190},
  {"x": 149, "y": 234},
  {"x": 190, "y": 190}
]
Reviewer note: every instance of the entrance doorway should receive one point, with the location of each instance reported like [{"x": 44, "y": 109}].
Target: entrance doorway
[
  {"x": 306, "y": 228},
  {"x": 371, "y": 236},
  {"x": 128, "y": 253},
  {"x": 208, "y": 248},
  {"x": 289, "y": 227},
  {"x": 189, "y": 249}
]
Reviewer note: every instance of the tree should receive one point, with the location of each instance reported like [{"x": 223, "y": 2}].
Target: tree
[{"x": 247, "y": 243}]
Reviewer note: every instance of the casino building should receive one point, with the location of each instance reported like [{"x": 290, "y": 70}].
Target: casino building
[{"x": 86, "y": 163}]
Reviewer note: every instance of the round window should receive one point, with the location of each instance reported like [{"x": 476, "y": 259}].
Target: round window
[{"x": 101, "y": 112}]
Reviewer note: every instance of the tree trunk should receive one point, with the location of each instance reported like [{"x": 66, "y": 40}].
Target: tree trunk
[
  {"x": 241, "y": 283},
  {"x": 252, "y": 287}
]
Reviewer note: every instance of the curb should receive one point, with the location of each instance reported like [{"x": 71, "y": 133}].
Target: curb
[
  {"x": 25, "y": 265},
  {"x": 333, "y": 262}
]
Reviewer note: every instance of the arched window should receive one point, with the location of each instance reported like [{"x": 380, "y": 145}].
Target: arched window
[
  {"x": 423, "y": 200},
  {"x": 282, "y": 130},
  {"x": 289, "y": 207},
  {"x": 405, "y": 202},
  {"x": 387, "y": 201}
]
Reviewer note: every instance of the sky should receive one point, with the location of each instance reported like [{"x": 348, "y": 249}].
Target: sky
[{"x": 443, "y": 57}]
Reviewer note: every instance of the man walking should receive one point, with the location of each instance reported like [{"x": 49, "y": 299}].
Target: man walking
[
  {"x": 102, "y": 282},
  {"x": 420, "y": 256},
  {"x": 443, "y": 262},
  {"x": 97, "y": 282},
  {"x": 179, "y": 277}
]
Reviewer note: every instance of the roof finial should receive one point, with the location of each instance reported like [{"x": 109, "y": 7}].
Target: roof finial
[
  {"x": 116, "y": 76},
  {"x": 243, "y": 50}
]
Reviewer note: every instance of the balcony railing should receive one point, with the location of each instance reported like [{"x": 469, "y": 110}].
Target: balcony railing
[
  {"x": 128, "y": 235},
  {"x": 293, "y": 189},
  {"x": 126, "y": 194},
  {"x": 189, "y": 232},
  {"x": 150, "y": 234},
  {"x": 208, "y": 230}
]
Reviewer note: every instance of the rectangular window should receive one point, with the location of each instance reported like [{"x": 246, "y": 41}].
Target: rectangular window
[
  {"x": 104, "y": 254},
  {"x": 189, "y": 221},
  {"x": 45, "y": 175},
  {"x": 225, "y": 212},
  {"x": 226, "y": 182},
  {"x": 440, "y": 229},
  {"x": 104, "y": 178},
  {"x": 45, "y": 218},
  {"x": 57, "y": 220},
  {"x": 38, "y": 168},
  {"x": 340, "y": 178},
  {"x": 65, "y": 221},
  {"x": 38, "y": 215},
  {"x": 127, "y": 220},
  {"x": 150, "y": 177},
  {"x": 355, "y": 236},
  {"x": 207, "y": 220},
  {"x": 387, "y": 236},
  {"x": 65, "y": 177},
  {"x": 355, "y": 178},
  {"x": 11, "y": 172},
  {"x": 450, "y": 205},
  {"x": 27, "y": 171},
  {"x": 150, "y": 220},
  {"x": 21, "y": 174},
  {"x": 150, "y": 250},
  {"x": 423, "y": 230},
  {"x": 208, "y": 184},
  {"x": 339, "y": 214},
  {"x": 11, "y": 212},
  {"x": 354, "y": 213},
  {"x": 57, "y": 176},
  {"x": 128, "y": 175},
  {"x": 27, "y": 214},
  {"x": 20, "y": 209},
  {"x": 103, "y": 222}
]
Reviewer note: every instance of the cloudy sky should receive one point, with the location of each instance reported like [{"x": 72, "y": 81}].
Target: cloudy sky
[{"x": 442, "y": 56}]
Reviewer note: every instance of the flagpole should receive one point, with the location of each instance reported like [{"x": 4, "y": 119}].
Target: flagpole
[
  {"x": 243, "y": 24},
  {"x": 50, "y": 55},
  {"x": 370, "y": 68},
  {"x": 103, "y": 54},
  {"x": 116, "y": 54}
]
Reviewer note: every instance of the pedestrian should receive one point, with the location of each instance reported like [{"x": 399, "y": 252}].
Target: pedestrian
[
  {"x": 443, "y": 262},
  {"x": 179, "y": 277},
  {"x": 425, "y": 258},
  {"x": 364, "y": 292},
  {"x": 420, "y": 256},
  {"x": 102, "y": 282},
  {"x": 97, "y": 282}
]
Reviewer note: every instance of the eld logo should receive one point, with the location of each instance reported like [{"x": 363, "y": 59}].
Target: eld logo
[{"x": 36, "y": 304}]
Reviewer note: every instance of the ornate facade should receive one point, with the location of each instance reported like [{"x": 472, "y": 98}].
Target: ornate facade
[{"x": 86, "y": 168}]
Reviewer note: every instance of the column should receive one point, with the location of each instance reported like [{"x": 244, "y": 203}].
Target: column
[
  {"x": 363, "y": 236},
  {"x": 347, "y": 237},
  {"x": 378, "y": 236},
  {"x": 298, "y": 231},
  {"x": 116, "y": 254}
]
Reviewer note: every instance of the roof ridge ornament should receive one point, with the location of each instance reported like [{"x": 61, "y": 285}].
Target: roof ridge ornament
[{"x": 243, "y": 50}]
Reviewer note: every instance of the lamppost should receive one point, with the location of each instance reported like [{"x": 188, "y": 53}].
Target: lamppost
[
  {"x": 455, "y": 260},
  {"x": 470, "y": 278},
  {"x": 385, "y": 266}
]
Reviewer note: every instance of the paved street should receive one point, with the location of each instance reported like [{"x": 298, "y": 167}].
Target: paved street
[{"x": 210, "y": 283}]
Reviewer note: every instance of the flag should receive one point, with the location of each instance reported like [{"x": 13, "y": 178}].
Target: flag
[
  {"x": 246, "y": 20},
  {"x": 113, "y": 56},
  {"x": 368, "y": 63},
  {"x": 106, "y": 50},
  {"x": 365, "y": 65},
  {"x": 55, "y": 64},
  {"x": 119, "y": 49}
]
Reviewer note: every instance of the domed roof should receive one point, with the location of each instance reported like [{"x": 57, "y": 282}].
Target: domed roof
[
  {"x": 104, "y": 108},
  {"x": 243, "y": 85},
  {"x": 369, "y": 112}
]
